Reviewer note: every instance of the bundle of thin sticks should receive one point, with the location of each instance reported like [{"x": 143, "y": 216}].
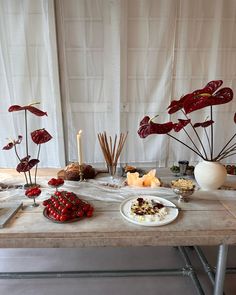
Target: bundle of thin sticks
[{"x": 111, "y": 151}]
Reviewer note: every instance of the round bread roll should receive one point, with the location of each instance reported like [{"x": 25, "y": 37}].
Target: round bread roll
[
  {"x": 72, "y": 172},
  {"x": 88, "y": 171}
]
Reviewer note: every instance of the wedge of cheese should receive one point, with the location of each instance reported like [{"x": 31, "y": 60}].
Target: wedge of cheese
[{"x": 147, "y": 180}]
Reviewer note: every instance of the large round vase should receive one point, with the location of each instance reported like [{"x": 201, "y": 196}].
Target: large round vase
[{"x": 210, "y": 175}]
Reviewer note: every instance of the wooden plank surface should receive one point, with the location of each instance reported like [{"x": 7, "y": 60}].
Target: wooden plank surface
[
  {"x": 230, "y": 206},
  {"x": 108, "y": 228},
  {"x": 200, "y": 222}
]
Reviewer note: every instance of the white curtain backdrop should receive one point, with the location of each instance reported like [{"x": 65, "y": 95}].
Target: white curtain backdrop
[
  {"x": 29, "y": 72},
  {"x": 119, "y": 60},
  {"x": 90, "y": 57},
  {"x": 124, "y": 59}
]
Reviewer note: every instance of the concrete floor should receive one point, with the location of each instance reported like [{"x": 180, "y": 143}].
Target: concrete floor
[{"x": 106, "y": 258}]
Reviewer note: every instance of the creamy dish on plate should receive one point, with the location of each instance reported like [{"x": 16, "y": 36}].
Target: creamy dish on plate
[{"x": 147, "y": 210}]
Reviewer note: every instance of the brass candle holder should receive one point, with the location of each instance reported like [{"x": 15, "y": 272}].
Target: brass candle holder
[{"x": 81, "y": 172}]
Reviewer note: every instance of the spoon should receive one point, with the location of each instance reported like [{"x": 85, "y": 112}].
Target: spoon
[{"x": 167, "y": 206}]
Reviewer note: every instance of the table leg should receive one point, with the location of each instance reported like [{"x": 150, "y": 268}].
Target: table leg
[{"x": 220, "y": 269}]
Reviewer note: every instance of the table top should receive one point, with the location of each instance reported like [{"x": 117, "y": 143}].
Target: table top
[{"x": 200, "y": 222}]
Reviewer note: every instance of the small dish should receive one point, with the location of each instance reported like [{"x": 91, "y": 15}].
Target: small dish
[
  {"x": 183, "y": 193},
  {"x": 183, "y": 188}
]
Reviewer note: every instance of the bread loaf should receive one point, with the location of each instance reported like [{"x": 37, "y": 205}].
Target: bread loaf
[{"x": 72, "y": 172}]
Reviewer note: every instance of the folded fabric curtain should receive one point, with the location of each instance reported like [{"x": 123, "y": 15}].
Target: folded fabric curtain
[{"x": 29, "y": 73}]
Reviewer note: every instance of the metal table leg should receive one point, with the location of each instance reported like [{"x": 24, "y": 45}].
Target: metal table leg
[
  {"x": 220, "y": 269},
  {"x": 191, "y": 271},
  {"x": 207, "y": 267}
]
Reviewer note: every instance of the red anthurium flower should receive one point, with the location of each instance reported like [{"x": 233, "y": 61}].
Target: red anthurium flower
[
  {"x": 177, "y": 105},
  {"x": 210, "y": 95},
  {"x": 222, "y": 96},
  {"x": 30, "y": 108},
  {"x": 8, "y": 146},
  {"x": 33, "y": 192},
  {"x": 209, "y": 89},
  {"x": 26, "y": 164},
  {"x": 40, "y": 136},
  {"x": 147, "y": 127},
  {"x": 182, "y": 123},
  {"x": 203, "y": 124},
  {"x": 206, "y": 96},
  {"x": 11, "y": 144}
]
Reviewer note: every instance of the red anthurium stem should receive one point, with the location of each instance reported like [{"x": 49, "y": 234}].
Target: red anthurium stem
[
  {"x": 18, "y": 157},
  {"x": 229, "y": 148},
  {"x": 226, "y": 156},
  {"x": 26, "y": 134},
  {"x": 199, "y": 154},
  {"x": 226, "y": 152},
  {"x": 36, "y": 168},
  {"x": 191, "y": 140},
  {"x": 26, "y": 143},
  {"x": 30, "y": 177},
  {"x": 211, "y": 112},
  {"x": 224, "y": 148},
  {"x": 198, "y": 137},
  {"x": 208, "y": 139}
]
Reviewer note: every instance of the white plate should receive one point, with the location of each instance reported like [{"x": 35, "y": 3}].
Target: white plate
[{"x": 171, "y": 216}]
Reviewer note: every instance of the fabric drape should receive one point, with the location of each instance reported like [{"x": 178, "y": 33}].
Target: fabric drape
[
  {"x": 29, "y": 73},
  {"x": 125, "y": 59}
]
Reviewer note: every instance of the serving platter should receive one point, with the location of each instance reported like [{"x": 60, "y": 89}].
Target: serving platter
[{"x": 50, "y": 217}]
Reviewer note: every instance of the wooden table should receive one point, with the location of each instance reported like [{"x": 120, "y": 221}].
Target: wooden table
[{"x": 200, "y": 222}]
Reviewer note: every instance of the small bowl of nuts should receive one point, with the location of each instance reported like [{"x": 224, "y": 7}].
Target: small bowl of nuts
[{"x": 183, "y": 188}]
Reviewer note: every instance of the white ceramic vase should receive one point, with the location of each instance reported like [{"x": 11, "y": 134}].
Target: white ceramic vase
[{"x": 210, "y": 175}]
